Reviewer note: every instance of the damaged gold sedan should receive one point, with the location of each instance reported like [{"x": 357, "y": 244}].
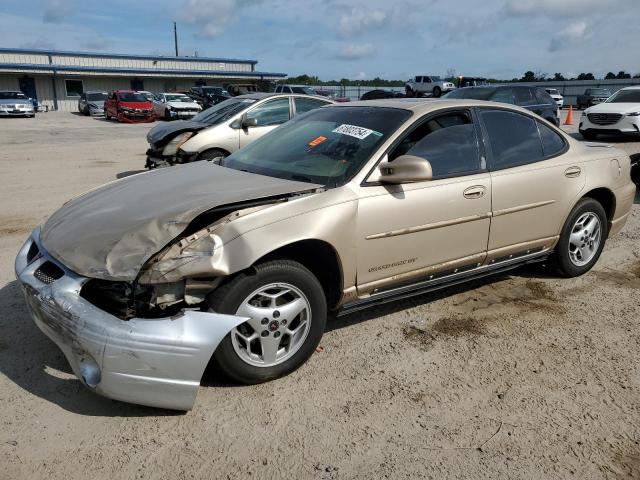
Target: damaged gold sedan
[{"x": 143, "y": 281}]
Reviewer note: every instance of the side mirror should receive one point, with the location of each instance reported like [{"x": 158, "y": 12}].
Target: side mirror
[
  {"x": 249, "y": 122},
  {"x": 404, "y": 169}
]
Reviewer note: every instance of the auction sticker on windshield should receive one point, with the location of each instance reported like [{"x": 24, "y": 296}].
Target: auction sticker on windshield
[{"x": 354, "y": 131}]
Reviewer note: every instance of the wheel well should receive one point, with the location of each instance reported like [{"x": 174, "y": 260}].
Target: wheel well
[
  {"x": 226, "y": 152},
  {"x": 606, "y": 198},
  {"x": 321, "y": 259}
]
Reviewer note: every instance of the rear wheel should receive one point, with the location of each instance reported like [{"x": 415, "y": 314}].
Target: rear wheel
[
  {"x": 437, "y": 92},
  {"x": 287, "y": 313},
  {"x": 582, "y": 238}
]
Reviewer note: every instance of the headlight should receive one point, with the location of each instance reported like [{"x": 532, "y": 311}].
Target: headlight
[
  {"x": 173, "y": 146},
  {"x": 633, "y": 114}
]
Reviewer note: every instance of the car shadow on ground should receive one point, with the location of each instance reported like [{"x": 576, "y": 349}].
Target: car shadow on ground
[
  {"x": 606, "y": 138},
  {"x": 536, "y": 270},
  {"x": 34, "y": 363}
]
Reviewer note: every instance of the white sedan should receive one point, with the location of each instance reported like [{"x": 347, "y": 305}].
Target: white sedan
[
  {"x": 175, "y": 105},
  {"x": 617, "y": 115}
]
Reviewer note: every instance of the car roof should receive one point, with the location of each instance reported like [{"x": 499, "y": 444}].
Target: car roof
[
  {"x": 261, "y": 96},
  {"x": 632, "y": 87},
  {"x": 424, "y": 105}
]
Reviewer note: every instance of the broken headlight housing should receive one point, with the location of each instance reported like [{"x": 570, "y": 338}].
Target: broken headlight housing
[{"x": 172, "y": 147}]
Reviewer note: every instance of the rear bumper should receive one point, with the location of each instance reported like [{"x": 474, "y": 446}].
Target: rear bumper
[{"x": 156, "y": 362}]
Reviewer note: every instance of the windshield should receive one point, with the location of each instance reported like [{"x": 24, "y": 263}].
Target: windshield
[
  {"x": 178, "y": 98},
  {"x": 96, "y": 97},
  {"x": 552, "y": 91},
  {"x": 215, "y": 90},
  {"x": 600, "y": 92},
  {"x": 625, "y": 96},
  {"x": 435, "y": 78},
  {"x": 327, "y": 146},
  {"x": 132, "y": 97},
  {"x": 307, "y": 90},
  {"x": 224, "y": 110},
  {"x": 474, "y": 93},
  {"x": 12, "y": 95}
]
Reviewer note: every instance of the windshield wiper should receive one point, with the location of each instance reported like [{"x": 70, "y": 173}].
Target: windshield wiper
[{"x": 301, "y": 178}]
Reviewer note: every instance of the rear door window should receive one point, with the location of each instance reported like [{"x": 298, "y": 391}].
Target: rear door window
[
  {"x": 524, "y": 97},
  {"x": 304, "y": 104},
  {"x": 513, "y": 138},
  {"x": 503, "y": 95},
  {"x": 272, "y": 112},
  {"x": 449, "y": 142},
  {"x": 543, "y": 97}
]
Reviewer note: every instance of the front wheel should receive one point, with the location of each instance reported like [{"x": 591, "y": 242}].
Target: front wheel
[
  {"x": 212, "y": 154},
  {"x": 582, "y": 238},
  {"x": 287, "y": 312},
  {"x": 588, "y": 135}
]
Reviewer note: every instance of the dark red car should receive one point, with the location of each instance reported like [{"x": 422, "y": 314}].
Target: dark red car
[{"x": 128, "y": 106}]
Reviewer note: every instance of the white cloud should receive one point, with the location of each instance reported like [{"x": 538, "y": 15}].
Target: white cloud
[
  {"x": 354, "y": 51},
  {"x": 55, "y": 11},
  {"x": 565, "y": 8},
  {"x": 568, "y": 36},
  {"x": 211, "y": 17},
  {"x": 358, "y": 21}
]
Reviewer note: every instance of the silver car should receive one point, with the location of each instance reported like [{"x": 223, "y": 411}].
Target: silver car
[
  {"x": 92, "y": 102},
  {"x": 224, "y": 128},
  {"x": 172, "y": 106},
  {"x": 15, "y": 103}
]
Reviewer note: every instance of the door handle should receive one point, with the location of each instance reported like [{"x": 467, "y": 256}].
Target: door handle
[
  {"x": 477, "y": 191},
  {"x": 572, "y": 172}
]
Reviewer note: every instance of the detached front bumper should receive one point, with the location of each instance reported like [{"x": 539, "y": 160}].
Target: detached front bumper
[{"x": 156, "y": 362}]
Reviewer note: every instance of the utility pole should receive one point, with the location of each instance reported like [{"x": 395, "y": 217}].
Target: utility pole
[{"x": 175, "y": 37}]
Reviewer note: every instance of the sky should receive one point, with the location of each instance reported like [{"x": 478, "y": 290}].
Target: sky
[{"x": 358, "y": 39}]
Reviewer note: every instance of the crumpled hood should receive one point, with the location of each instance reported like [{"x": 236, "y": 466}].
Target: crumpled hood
[
  {"x": 112, "y": 231},
  {"x": 623, "y": 108},
  {"x": 180, "y": 105},
  {"x": 164, "y": 130}
]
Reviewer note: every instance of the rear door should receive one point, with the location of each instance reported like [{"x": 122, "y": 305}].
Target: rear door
[
  {"x": 533, "y": 181},
  {"x": 269, "y": 115}
]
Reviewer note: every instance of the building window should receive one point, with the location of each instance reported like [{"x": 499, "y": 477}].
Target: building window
[
  {"x": 73, "y": 88},
  {"x": 137, "y": 84}
]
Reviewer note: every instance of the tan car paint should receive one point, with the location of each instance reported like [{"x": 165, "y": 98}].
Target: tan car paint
[{"x": 385, "y": 235}]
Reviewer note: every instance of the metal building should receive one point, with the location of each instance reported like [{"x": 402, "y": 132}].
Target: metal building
[{"x": 57, "y": 78}]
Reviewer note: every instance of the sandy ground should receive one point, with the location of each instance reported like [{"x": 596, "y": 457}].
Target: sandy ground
[{"x": 523, "y": 376}]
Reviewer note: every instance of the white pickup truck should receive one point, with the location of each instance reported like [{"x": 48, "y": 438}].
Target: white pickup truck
[{"x": 427, "y": 84}]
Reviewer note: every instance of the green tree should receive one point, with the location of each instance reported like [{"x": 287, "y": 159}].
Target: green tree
[
  {"x": 610, "y": 76},
  {"x": 529, "y": 76},
  {"x": 623, "y": 74},
  {"x": 558, "y": 77}
]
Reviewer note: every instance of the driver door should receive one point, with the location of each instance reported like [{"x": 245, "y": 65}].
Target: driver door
[
  {"x": 408, "y": 232},
  {"x": 269, "y": 115}
]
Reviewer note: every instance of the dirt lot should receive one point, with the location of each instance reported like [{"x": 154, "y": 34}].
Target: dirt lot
[{"x": 521, "y": 376}]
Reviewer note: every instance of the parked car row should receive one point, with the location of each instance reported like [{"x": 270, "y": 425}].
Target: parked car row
[{"x": 145, "y": 281}]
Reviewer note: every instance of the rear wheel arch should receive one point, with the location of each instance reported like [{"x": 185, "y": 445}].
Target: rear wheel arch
[{"x": 604, "y": 197}]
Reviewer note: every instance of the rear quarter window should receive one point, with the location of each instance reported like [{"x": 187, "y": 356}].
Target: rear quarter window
[{"x": 552, "y": 142}]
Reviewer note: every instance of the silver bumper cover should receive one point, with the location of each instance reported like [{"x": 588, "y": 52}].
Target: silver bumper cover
[{"x": 156, "y": 362}]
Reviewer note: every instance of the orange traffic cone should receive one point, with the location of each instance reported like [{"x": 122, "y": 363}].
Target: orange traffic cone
[{"x": 569, "y": 120}]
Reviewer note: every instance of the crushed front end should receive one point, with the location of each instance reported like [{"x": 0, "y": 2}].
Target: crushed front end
[{"x": 115, "y": 345}]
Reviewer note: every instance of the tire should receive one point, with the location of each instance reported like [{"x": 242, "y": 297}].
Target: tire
[
  {"x": 588, "y": 135},
  {"x": 167, "y": 114},
  {"x": 249, "y": 362},
  {"x": 408, "y": 92},
  {"x": 568, "y": 264},
  {"x": 106, "y": 114},
  {"x": 635, "y": 168},
  {"x": 212, "y": 154},
  {"x": 436, "y": 92}
]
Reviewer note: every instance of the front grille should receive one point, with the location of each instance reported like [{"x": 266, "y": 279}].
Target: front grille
[
  {"x": 604, "y": 118},
  {"x": 48, "y": 273}
]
